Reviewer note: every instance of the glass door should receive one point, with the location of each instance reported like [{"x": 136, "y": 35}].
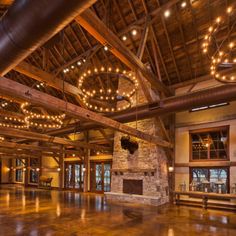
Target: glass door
[
  {"x": 107, "y": 177},
  {"x": 74, "y": 178},
  {"x": 100, "y": 179}
]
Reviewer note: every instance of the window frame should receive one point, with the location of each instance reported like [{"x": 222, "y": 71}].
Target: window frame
[
  {"x": 227, "y": 168},
  {"x": 225, "y": 128}
]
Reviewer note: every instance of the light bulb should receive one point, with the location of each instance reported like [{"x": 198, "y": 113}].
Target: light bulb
[
  {"x": 124, "y": 38},
  {"x": 167, "y": 13}
]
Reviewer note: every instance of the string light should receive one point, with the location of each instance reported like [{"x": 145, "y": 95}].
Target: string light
[
  {"x": 39, "y": 120},
  {"x": 183, "y": 4},
  {"x": 224, "y": 53},
  {"x": 92, "y": 98},
  {"x": 11, "y": 121},
  {"x": 124, "y": 38},
  {"x": 167, "y": 13},
  {"x": 134, "y": 32}
]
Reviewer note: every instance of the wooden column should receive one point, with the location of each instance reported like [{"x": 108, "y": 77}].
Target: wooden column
[
  {"x": 86, "y": 165},
  {"x": 40, "y": 168},
  {"x": 61, "y": 166},
  {"x": 11, "y": 172},
  {"x": 27, "y": 164}
]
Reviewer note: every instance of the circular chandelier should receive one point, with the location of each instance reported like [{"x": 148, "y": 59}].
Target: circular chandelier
[
  {"x": 224, "y": 55},
  {"x": 107, "y": 99},
  {"x": 12, "y": 122},
  {"x": 35, "y": 119}
]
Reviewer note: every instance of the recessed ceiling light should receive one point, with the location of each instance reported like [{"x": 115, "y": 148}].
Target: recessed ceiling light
[
  {"x": 134, "y": 32},
  {"x": 79, "y": 63},
  {"x": 167, "y": 13},
  {"x": 105, "y": 48}
]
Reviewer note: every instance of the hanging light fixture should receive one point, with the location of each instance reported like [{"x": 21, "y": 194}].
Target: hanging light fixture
[
  {"x": 35, "y": 119},
  {"x": 107, "y": 99},
  {"x": 224, "y": 56}
]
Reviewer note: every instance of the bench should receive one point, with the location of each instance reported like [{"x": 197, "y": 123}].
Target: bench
[
  {"x": 206, "y": 200},
  {"x": 45, "y": 182}
]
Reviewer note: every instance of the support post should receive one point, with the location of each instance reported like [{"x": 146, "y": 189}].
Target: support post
[
  {"x": 61, "y": 171},
  {"x": 86, "y": 165},
  {"x": 27, "y": 164}
]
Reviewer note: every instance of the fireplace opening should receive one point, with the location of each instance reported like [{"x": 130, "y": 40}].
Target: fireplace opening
[{"x": 133, "y": 186}]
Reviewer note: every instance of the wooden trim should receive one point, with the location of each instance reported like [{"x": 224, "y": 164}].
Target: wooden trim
[
  {"x": 211, "y": 167},
  {"x": 233, "y": 163},
  {"x": 181, "y": 164},
  {"x": 206, "y": 164},
  {"x": 195, "y": 131}
]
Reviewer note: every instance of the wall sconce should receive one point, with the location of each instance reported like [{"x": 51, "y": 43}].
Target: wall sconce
[
  {"x": 171, "y": 169},
  {"x": 84, "y": 169},
  {"x": 37, "y": 169},
  {"x": 24, "y": 169},
  {"x": 58, "y": 169}
]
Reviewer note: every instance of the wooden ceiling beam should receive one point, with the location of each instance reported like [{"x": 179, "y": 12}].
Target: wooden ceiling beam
[
  {"x": 15, "y": 146},
  {"x": 12, "y": 156},
  {"x": 43, "y": 76},
  {"x": 19, "y": 152},
  {"x": 99, "y": 31},
  {"x": 146, "y": 90},
  {"x": 10, "y": 132},
  {"x": 33, "y": 96}
]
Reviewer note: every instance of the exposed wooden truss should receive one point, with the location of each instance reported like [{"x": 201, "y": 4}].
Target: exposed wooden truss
[
  {"x": 38, "y": 98},
  {"x": 98, "y": 29},
  {"x": 10, "y": 132}
]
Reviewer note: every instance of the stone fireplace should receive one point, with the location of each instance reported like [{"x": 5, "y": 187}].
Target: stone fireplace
[
  {"x": 148, "y": 165},
  {"x": 146, "y": 168}
]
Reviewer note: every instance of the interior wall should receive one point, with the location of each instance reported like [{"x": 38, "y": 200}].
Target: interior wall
[
  {"x": 186, "y": 121},
  {"x": 5, "y": 171},
  {"x": 49, "y": 169}
]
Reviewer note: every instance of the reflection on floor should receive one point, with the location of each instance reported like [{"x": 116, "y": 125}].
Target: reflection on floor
[{"x": 41, "y": 212}]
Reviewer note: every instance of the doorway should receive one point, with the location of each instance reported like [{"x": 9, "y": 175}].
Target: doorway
[
  {"x": 74, "y": 176},
  {"x": 100, "y": 180}
]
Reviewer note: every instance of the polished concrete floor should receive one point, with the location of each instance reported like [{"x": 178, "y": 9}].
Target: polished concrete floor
[{"x": 41, "y": 212}]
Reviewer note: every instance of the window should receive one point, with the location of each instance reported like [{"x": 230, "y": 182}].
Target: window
[
  {"x": 34, "y": 164},
  {"x": 214, "y": 177},
  {"x": 19, "y": 171},
  {"x": 210, "y": 144},
  {"x": 33, "y": 176}
]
